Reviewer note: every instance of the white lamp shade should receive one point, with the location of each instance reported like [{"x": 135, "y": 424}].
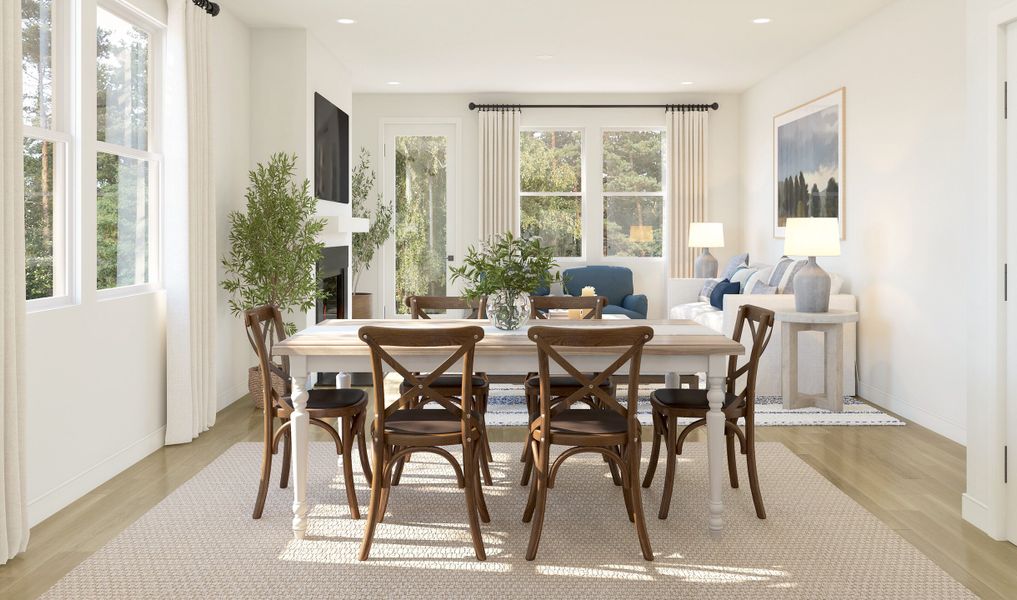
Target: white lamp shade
[
  {"x": 812, "y": 237},
  {"x": 706, "y": 235}
]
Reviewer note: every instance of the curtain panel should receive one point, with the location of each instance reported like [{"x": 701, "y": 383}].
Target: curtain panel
[
  {"x": 13, "y": 493},
  {"x": 190, "y": 249},
  {"x": 687, "y": 142},
  {"x": 499, "y": 171}
]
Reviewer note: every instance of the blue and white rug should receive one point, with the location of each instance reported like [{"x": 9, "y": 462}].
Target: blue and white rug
[{"x": 507, "y": 407}]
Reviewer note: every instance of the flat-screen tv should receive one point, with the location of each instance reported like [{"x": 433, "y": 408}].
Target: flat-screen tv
[{"x": 331, "y": 151}]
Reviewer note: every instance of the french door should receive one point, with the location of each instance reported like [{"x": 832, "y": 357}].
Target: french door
[
  {"x": 1010, "y": 235},
  {"x": 420, "y": 179}
]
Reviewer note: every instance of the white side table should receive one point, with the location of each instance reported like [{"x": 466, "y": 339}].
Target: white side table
[{"x": 831, "y": 325}]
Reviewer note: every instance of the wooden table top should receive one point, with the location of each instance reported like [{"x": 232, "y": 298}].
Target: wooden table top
[{"x": 671, "y": 337}]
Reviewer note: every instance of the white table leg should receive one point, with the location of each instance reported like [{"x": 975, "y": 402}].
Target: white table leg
[
  {"x": 717, "y": 380},
  {"x": 300, "y": 424}
]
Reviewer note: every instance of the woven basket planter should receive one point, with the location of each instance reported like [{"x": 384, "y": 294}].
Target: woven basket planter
[{"x": 255, "y": 387}]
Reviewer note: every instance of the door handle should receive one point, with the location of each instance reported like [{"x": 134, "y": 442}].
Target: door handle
[{"x": 450, "y": 258}]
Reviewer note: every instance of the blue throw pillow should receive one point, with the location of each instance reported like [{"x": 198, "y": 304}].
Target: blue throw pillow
[{"x": 723, "y": 288}]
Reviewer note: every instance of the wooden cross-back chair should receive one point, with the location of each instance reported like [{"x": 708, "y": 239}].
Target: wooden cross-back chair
[
  {"x": 562, "y": 386},
  {"x": 449, "y": 384},
  {"x": 265, "y": 327},
  {"x": 612, "y": 431},
  {"x": 404, "y": 428},
  {"x": 670, "y": 404}
]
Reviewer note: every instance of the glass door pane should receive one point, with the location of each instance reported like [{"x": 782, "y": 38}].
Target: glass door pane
[{"x": 421, "y": 209}]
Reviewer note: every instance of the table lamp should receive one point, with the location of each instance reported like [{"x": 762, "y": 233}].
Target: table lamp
[
  {"x": 812, "y": 237},
  {"x": 706, "y": 236}
]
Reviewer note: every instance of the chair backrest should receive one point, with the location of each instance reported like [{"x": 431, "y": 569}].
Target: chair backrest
[
  {"x": 461, "y": 341},
  {"x": 611, "y": 281},
  {"x": 264, "y": 325},
  {"x": 627, "y": 343},
  {"x": 420, "y": 304},
  {"x": 594, "y": 305},
  {"x": 759, "y": 322}
]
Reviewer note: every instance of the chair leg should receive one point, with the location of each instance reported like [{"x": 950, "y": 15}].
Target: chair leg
[
  {"x": 632, "y": 484},
  {"x": 347, "y": 458},
  {"x": 482, "y": 400},
  {"x": 485, "y": 516},
  {"x": 527, "y": 466},
  {"x": 540, "y": 500},
  {"x": 750, "y": 458},
  {"x": 397, "y": 471},
  {"x": 386, "y": 484},
  {"x": 375, "y": 505},
  {"x": 484, "y": 459},
  {"x": 615, "y": 474},
  {"x": 470, "y": 491},
  {"x": 732, "y": 467},
  {"x": 672, "y": 456},
  {"x": 655, "y": 451},
  {"x": 361, "y": 434},
  {"x": 626, "y": 492},
  {"x": 266, "y": 472},
  {"x": 284, "y": 477},
  {"x": 531, "y": 498}
]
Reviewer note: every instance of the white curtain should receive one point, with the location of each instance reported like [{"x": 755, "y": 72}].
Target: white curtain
[
  {"x": 190, "y": 255},
  {"x": 687, "y": 140},
  {"x": 13, "y": 496},
  {"x": 499, "y": 172}
]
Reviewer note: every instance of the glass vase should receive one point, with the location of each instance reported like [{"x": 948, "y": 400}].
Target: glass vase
[{"x": 508, "y": 310}]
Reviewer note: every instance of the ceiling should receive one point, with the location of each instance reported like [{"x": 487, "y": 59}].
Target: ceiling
[{"x": 456, "y": 46}]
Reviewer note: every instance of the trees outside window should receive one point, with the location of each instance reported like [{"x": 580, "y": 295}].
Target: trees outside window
[
  {"x": 551, "y": 189},
  {"x": 633, "y": 167}
]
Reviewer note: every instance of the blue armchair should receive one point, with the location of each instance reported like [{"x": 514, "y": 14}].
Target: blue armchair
[{"x": 615, "y": 283}]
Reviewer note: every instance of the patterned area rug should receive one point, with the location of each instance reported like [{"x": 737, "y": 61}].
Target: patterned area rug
[
  {"x": 200, "y": 542},
  {"x": 507, "y": 407}
]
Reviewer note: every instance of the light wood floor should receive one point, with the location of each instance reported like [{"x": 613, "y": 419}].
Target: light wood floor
[{"x": 909, "y": 477}]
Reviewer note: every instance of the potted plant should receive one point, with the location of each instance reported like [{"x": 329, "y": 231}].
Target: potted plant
[
  {"x": 366, "y": 244},
  {"x": 274, "y": 246},
  {"x": 507, "y": 270}
]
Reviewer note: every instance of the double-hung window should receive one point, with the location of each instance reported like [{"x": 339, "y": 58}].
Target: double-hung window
[
  {"x": 551, "y": 188},
  {"x": 46, "y": 114},
  {"x": 127, "y": 161},
  {"x": 633, "y": 167}
]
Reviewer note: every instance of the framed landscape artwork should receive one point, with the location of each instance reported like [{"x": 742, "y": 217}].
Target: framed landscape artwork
[{"x": 808, "y": 161}]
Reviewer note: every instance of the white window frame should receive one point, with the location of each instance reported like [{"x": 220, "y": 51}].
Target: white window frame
[
  {"x": 153, "y": 155},
  {"x": 662, "y": 194},
  {"x": 65, "y": 196},
  {"x": 583, "y": 195}
]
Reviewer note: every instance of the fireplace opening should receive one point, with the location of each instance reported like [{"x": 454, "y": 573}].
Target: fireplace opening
[{"x": 333, "y": 280}]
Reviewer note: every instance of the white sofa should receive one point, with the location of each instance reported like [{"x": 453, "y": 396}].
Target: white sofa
[{"x": 685, "y": 302}]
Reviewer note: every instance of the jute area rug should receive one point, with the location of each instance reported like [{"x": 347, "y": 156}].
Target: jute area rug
[{"x": 200, "y": 542}]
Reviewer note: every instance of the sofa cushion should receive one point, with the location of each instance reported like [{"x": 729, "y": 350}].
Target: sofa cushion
[
  {"x": 761, "y": 288},
  {"x": 704, "y": 294},
  {"x": 737, "y": 262},
  {"x": 700, "y": 312},
  {"x": 777, "y": 273},
  {"x": 611, "y": 309},
  {"x": 787, "y": 284},
  {"x": 742, "y": 276},
  {"x": 724, "y": 288},
  {"x": 762, "y": 274}
]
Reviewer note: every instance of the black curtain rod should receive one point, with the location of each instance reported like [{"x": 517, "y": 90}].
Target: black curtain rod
[
  {"x": 210, "y": 7},
  {"x": 475, "y": 106}
]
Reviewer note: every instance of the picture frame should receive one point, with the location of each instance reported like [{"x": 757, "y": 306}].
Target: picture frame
[{"x": 809, "y": 161}]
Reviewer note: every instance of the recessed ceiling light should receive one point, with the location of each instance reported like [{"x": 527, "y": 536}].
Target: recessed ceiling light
[
  {"x": 393, "y": 82},
  {"x": 345, "y": 21},
  {"x": 544, "y": 57},
  {"x": 688, "y": 82},
  {"x": 761, "y": 20}
]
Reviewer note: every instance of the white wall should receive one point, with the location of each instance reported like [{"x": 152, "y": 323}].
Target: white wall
[
  {"x": 230, "y": 65},
  {"x": 649, "y": 275},
  {"x": 906, "y": 193}
]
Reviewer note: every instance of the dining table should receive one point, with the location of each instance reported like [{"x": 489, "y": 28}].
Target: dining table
[{"x": 677, "y": 347}]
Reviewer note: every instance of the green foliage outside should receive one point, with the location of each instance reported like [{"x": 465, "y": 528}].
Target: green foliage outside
[
  {"x": 274, "y": 244},
  {"x": 366, "y": 244},
  {"x": 551, "y": 161},
  {"x": 420, "y": 172},
  {"x": 633, "y": 162}
]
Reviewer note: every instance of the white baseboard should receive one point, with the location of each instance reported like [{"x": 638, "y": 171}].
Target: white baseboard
[
  {"x": 913, "y": 413},
  {"x": 230, "y": 395},
  {"x": 64, "y": 494},
  {"x": 978, "y": 514}
]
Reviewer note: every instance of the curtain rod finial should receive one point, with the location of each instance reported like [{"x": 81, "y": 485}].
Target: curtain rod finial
[{"x": 473, "y": 105}]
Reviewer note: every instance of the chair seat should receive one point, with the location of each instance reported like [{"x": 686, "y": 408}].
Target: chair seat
[
  {"x": 588, "y": 422},
  {"x": 423, "y": 421},
  {"x": 687, "y": 399},
  {"x": 564, "y": 381},
  {"x": 453, "y": 381},
  {"x": 332, "y": 399}
]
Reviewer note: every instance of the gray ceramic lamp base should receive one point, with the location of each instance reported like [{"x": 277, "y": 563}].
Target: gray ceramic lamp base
[
  {"x": 812, "y": 288},
  {"x": 706, "y": 265}
]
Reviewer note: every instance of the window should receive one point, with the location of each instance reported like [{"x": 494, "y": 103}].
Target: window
[
  {"x": 44, "y": 108},
  {"x": 633, "y": 193},
  {"x": 126, "y": 164},
  {"x": 551, "y": 189}
]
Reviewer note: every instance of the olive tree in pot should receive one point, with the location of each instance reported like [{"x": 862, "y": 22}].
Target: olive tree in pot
[
  {"x": 506, "y": 270},
  {"x": 274, "y": 246},
  {"x": 366, "y": 244}
]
